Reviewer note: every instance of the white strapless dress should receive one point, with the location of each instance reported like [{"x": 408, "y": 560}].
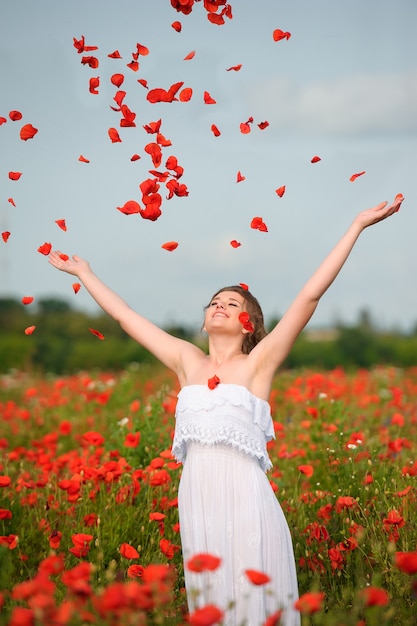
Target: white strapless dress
[{"x": 227, "y": 506}]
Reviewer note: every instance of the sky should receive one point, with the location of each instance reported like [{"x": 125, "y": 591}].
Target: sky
[{"x": 342, "y": 87}]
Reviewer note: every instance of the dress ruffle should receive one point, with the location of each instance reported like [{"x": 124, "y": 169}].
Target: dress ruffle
[{"x": 229, "y": 414}]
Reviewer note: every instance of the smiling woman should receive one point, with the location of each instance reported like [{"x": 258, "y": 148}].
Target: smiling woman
[{"x": 227, "y": 507}]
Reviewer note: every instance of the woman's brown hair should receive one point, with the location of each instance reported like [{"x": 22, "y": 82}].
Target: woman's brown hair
[{"x": 252, "y": 307}]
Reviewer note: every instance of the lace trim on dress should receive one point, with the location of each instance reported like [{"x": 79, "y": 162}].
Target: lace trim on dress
[{"x": 210, "y": 417}]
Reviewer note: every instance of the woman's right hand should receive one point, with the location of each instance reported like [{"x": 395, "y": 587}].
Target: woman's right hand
[{"x": 74, "y": 265}]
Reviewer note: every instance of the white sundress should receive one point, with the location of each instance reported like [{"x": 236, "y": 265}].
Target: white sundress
[{"x": 227, "y": 506}]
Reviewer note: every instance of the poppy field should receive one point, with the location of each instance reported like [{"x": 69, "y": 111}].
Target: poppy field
[{"x": 89, "y": 530}]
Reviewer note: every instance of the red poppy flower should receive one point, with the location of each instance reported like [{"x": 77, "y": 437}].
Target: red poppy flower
[
  {"x": 208, "y": 99},
  {"x": 15, "y": 175},
  {"x": 177, "y": 26},
  {"x": 307, "y": 470},
  {"x": 135, "y": 571},
  {"x": 30, "y": 330},
  {"x": 170, "y": 245},
  {"x": 280, "y": 191},
  {"x": 5, "y": 481},
  {"x": 45, "y": 248},
  {"x": 168, "y": 548},
  {"x": 215, "y": 130},
  {"x": 279, "y": 34},
  {"x": 315, "y": 159},
  {"x": 375, "y": 596},
  {"x": 406, "y": 562},
  {"x": 256, "y": 577},
  {"x": 97, "y": 333},
  {"x": 132, "y": 440},
  {"x": 5, "y": 514},
  {"x": 203, "y": 562},
  {"x": 235, "y": 244},
  {"x": 55, "y": 539},
  {"x": 5, "y": 235},
  {"x": 27, "y": 299},
  {"x": 355, "y": 176},
  {"x": 206, "y": 616},
  {"x": 27, "y": 132},
  {"x": 257, "y": 223},
  {"x": 310, "y": 602},
  {"x": 240, "y": 178},
  {"x": 213, "y": 382},
  {"x": 128, "y": 552}
]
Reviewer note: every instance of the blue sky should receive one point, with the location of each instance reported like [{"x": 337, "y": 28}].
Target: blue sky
[{"x": 343, "y": 87}]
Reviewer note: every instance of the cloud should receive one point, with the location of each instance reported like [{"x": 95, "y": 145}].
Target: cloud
[{"x": 351, "y": 104}]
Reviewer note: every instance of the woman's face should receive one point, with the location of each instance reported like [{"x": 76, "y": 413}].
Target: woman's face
[{"x": 224, "y": 310}]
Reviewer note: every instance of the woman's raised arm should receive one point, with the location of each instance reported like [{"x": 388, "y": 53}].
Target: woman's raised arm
[
  {"x": 168, "y": 349},
  {"x": 274, "y": 348}
]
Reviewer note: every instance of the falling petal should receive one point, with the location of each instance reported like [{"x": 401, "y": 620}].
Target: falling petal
[
  {"x": 3, "y": 120},
  {"x": 143, "y": 82},
  {"x": 263, "y": 125},
  {"x": 27, "y": 299},
  {"x": 83, "y": 159},
  {"x": 256, "y": 577},
  {"x": 5, "y": 235},
  {"x": 135, "y": 157},
  {"x": 170, "y": 245},
  {"x": 12, "y": 202},
  {"x": 27, "y": 132},
  {"x": 15, "y": 116},
  {"x": 235, "y": 244},
  {"x": 45, "y": 248},
  {"x": 355, "y": 176},
  {"x": 114, "y": 55},
  {"x": 186, "y": 94},
  {"x": 114, "y": 135},
  {"x": 143, "y": 50},
  {"x": 235, "y": 68},
  {"x": 208, "y": 99},
  {"x": 133, "y": 65},
  {"x": 280, "y": 191},
  {"x": 315, "y": 159},
  {"x": 190, "y": 56},
  {"x": 215, "y": 130},
  {"x": 117, "y": 79},
  {"x": 15, "y": 175},
  {"x": 61, "y": 224},
  {"x": 91, "y": 61},
  {"x": 94, "y": 84},
  {"x": 213, "y": 382},
  {"x": 239, "y": 177},
  {"x": 29, "y": 330},
  {"x": 258, "y": 224},
  {"x": 177, "y": 26},
  {"x": 130, "y": 207},
  {"x": 76, "y": 287},
  {"x": 280, "y": 34},
  {"x": 97, "y": 333}
]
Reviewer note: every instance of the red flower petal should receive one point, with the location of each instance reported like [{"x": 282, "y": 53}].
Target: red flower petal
[
  {"x": 5, "y": 235},
  {"x": 256, "y": 577},
  {"x": 263, "y": 125},
  {"x": 94, "y": 84},
  {"x": 203, "y": 562},
  {"x": 315, "y": 159},
  {"x": 208, "y": 99},
  {"x": 45, "y": 248},
  {"x": 280, "y": 191},
  {"x": 244, "y": 319},
  {"x": 245, "y": 128},
  {"x": 190, "y": 56},
  {"x": 186, "y": 94},
  {"x": 91, "y": 61},
  {"x": 63, "y": 256},
  {"x": 215, "y": 130},
  {"x": 80, "y": 46},
  {"x": 406, "y": 562},
  {"x": 154, "y": 150},
  {"x": 279, "y": 34},
  {"x": 177, "y": 26},
  {"x": 235, "y": 68},
  {"x": 12, "y": 202},
  {"x": 143, "y": 50},
  {"x": 170, "y": 245},
  {"x": 258, "y": 224},
  {"x": 27, "y": 299},
  {"x": 83, "y": 159},
  {"x": 15, "y": 175},
  {"x": 307, "y": 470},
  {"x": 29, "y": 330},
  {"x": 27, "y": 132},
  {"x": 15, "y": 116},
  {"x": 129, "y": 207},
  {"x": 61, "y": 224},
  {"x": 235, "y": 244},
  {"x": 213, "y": 382},
  {"x": 135, "y": 157},
  {"x": 114, "y": 135},
  {"x": 114, "y": 55},
  {"x": 207, "y": 615},
  {"x": 97, "y": 333},
  {"x": 133, "y": 65},
  {"x": 117, "y": 79},
  {"x": 240, "y": 178},
  {"x": 355, "y": 176},
  {"x": 244, "y": 286},
  {"x": 143, "y": 82},
  {"x": 3, "y": 120},
  {"x": 76, "y": 287}
]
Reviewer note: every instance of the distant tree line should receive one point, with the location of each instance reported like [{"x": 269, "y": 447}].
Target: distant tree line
[{"x": 62, "y": 342}]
